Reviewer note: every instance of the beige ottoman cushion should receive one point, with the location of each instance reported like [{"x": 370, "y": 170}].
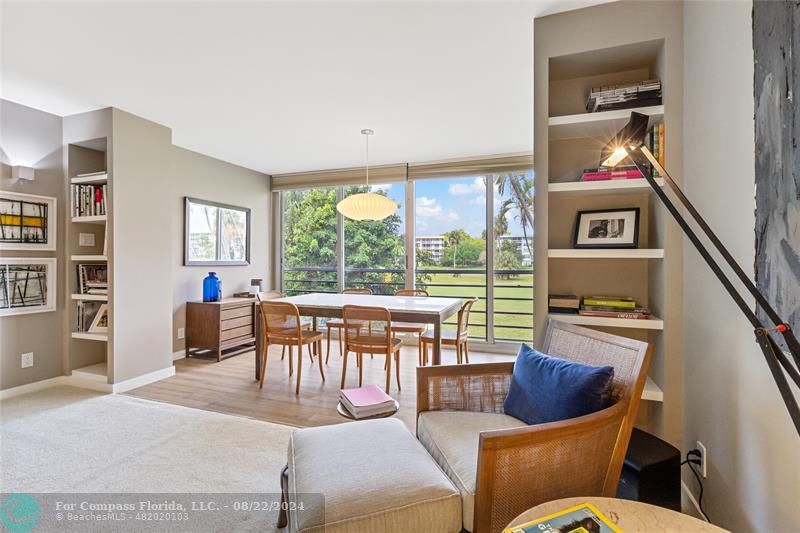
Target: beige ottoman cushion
[
  {"x": 374, "y": 476},
  {"x": 451, "y": 437}
]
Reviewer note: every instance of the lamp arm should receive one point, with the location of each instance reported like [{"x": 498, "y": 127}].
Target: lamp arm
[{"x": 776, "y": 360}]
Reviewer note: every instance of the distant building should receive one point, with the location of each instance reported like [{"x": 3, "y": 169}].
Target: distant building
[
  {"x": 527, "y": 260},
  {"x": 435, "y": 245}
]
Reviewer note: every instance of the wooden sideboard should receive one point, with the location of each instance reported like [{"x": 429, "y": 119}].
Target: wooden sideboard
[{"x": 220, "y": 329}]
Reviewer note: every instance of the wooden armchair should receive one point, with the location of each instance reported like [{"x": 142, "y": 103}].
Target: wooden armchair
[{"x": 521, "y": 467}]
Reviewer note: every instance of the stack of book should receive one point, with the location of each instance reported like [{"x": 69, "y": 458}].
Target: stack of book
[
  {"x": 93, "y": 279},
  {"x": 367, "y": 401},
  {"x": 621, "y": 172},
  {"x": 613, "y": 307},
  {"x": 637, "y": 94},
  {"x": 86, "y": 313},
  {"x": 654, "y": 140},
  {"x": 563, "y": 303},
  {"x": 88, "y": 200}
]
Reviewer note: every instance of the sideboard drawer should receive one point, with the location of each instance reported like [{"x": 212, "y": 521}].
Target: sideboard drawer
[{"x": 236, "y": 312}]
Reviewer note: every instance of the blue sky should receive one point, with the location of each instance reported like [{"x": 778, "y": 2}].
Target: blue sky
[{"x": 446, "y": 204}]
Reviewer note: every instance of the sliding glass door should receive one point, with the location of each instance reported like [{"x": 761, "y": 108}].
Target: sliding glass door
[{"x": 472, "y": 237}]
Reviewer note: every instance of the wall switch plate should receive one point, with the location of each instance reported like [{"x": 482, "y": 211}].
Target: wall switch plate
[
  {"x": 703, "y": 459},
  {"x": 86, "y": 239},
  {"x": 181, "y": 333},
  {"x": 27, "y": 360}
]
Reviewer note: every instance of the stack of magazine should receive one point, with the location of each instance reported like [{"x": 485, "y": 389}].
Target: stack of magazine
[
  {"x": 638, "y": 94},
  {"x": 367, "y": 401},
  {"x": 93, "y": 279}
]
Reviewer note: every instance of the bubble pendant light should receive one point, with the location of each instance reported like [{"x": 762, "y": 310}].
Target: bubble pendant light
[{"x": 366, "y": 205}]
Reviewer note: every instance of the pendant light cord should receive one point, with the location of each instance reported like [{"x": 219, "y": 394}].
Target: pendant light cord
[{"x": 367, "y": 136}]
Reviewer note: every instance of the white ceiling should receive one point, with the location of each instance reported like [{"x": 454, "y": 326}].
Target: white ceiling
[{"x": 282, "y": 87}]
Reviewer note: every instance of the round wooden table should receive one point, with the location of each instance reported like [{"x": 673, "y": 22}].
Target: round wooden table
[
  {"x": 345, "y": 413},
  {"x": 629, "y": 516}
]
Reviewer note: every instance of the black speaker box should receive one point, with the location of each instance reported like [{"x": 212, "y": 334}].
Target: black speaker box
[{"x": 652, "y": 472}]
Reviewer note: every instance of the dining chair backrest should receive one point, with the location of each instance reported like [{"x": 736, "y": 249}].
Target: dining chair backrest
[
  {"x": 355, "y": 316},
  {"x": 281, "y": 320},
  {"x": 463, "y": 317},
  {"x": 357, "y": 290},
  {"x": 411, "y": 292}
]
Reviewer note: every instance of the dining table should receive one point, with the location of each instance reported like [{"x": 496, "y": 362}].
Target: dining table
[{"x": 432, "y": 310}]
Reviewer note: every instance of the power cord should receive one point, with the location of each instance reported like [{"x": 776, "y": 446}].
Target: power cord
[{"x": 693, "y": 458}]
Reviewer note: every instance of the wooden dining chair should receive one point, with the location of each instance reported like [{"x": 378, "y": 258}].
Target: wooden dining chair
[
  {"x": 338, "y": 323},
  {"x": 412, "y": 327},
  {"x": 354, "y": 317},
  {"x": 457, "y": 338},
  {"x": 282, "y": 326},
  {"x": 274, "y": 295}
]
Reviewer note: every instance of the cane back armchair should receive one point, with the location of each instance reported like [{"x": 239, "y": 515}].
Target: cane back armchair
[{"x": 521, "y": 466}]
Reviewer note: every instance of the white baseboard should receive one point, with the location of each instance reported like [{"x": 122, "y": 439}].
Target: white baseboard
[
  {"x": 180, "y": 354},
  {"x": 31, "y": 387},
  {"x": 693, "y": 500},
  {"x": 87, "y": 383},
  {"x": 145, "y": 379}
]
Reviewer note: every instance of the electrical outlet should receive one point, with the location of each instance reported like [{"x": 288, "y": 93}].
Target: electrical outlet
[
  {"x": 181, "y": 333},
  {"x": 703, "y": 459},
  {"x": 27, "y": 360}
]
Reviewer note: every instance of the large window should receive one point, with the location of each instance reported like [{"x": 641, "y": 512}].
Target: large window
[
  {"x": 456, "y": 253},
  {"x": 375, "y": 251},
  {"x": 450, "y": 241}
]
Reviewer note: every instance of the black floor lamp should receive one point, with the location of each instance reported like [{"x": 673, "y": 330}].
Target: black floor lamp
[{"x": 629, "y": 142}]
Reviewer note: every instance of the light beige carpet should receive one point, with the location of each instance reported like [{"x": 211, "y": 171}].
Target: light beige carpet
[{"x": 71, "y": 440}]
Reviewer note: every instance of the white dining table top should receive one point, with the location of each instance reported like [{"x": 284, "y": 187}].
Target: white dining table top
[{"x": 425, "y": 305}]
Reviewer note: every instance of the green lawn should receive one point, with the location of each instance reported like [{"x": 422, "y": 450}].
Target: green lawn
[{"x": 474, "y": 285}]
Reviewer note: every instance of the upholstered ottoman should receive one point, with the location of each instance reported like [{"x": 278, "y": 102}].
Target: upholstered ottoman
[{"x": 374, "y": 476}]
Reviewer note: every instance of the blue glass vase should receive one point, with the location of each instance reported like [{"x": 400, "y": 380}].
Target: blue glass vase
[{"x": 212, "y": 288}]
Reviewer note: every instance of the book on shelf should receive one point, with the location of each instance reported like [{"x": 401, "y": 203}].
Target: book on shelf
[
  {"x": 88, "y": 200},
  {"x": 567, "y": 301},
  {"x": 86, "y": 313},
  {"x": 615, "y": 314},
  {"x": 638, "y": 94},
  {"x": 608, "y": 174},
  {"x": 366, "y": 401},
  {"x": 654, "y": 140},
  {"x": 91, "y": 174},
  {"x": 578, "y": 519},
  {"x": 620, "y": 302},
  {"x": 92, "y": 278}
]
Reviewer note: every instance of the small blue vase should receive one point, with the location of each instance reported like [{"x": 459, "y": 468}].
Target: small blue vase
[{"x": 212, "y": 288}]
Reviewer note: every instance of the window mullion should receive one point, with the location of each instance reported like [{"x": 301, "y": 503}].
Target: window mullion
[
  {"x": 411, "y": 232},
  {"x": 339, "y": 242},
  {"x": 490, "y": 248}
]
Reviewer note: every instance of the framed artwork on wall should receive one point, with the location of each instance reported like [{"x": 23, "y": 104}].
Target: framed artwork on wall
[
  {"x": 27, "y": 222},
  {"x": 27, "y": 285},
  {"x": 215, "y": 234},
  {"x": 607, "y": 228}
]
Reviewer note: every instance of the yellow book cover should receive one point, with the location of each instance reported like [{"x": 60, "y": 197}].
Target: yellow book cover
[
  {"x": 661, "y": 145},
  {"x": 583, "y": 518}
]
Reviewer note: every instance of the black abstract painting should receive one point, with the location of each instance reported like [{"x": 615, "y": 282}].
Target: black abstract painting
[{"x": 776, "y": 29}]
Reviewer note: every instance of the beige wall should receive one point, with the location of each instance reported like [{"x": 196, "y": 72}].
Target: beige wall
[
  {"x": 32, "y": 138},
  {"x": 732, "y": 404},
  {"x": 206, "y": 178}
]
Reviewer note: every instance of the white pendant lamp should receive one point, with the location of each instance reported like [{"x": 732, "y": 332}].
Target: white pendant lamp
[{"x": 366, "y": 205}]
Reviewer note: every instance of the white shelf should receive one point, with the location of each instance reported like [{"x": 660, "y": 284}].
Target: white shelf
[
  {"x": 653, "y": 323},
  {"x": 90, "y": 337},
  {"x": 603, "y": 124},
  {"x": 606, "y": 253},
  {"x": 89, "y": 258},
  {"x": 602, "y": 187},
  {"x": 652, "y": 392},
  {"x": 93, "y": 297},
  {"x": 96, "y": 219},
  {"x": 99, "y": 179}
]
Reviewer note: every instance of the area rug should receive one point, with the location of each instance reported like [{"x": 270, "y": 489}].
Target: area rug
[{"x": 68, "y": 440}]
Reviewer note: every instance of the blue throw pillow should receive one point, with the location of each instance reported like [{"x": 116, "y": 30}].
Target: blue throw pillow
[{"x": 549, "y": 389}]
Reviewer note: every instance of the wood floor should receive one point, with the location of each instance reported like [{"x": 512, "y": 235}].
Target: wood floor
[{"x": 230, "y": 387}]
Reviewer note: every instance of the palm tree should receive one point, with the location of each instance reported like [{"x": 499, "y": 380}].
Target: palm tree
[{"x": 521, "y": 188}]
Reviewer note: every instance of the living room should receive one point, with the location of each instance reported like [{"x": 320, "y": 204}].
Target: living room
[{"x": 508, "y": 253}]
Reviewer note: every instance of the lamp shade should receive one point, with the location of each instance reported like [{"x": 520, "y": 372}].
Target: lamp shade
[{"x": 366, "y": 206}]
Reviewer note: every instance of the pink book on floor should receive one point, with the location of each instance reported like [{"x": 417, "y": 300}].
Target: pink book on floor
[{"x": 366, "y": 396}]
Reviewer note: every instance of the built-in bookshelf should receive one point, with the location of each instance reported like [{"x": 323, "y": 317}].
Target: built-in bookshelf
[
  {"x": 567, "y": 140},
  {"x": 88, "y": 185}
]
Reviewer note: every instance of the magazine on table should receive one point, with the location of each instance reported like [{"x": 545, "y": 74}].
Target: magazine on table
[{"x": 583, "y": 518}]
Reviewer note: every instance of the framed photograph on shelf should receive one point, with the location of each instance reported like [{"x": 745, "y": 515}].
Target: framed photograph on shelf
[
  {"x": 100, "y": 321},
  {"x": 27, "y": 285},
  {"x": 607, "y": 228},
  {"x": 27, "y": 222},
  {"x": 215, "y": 234}
]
